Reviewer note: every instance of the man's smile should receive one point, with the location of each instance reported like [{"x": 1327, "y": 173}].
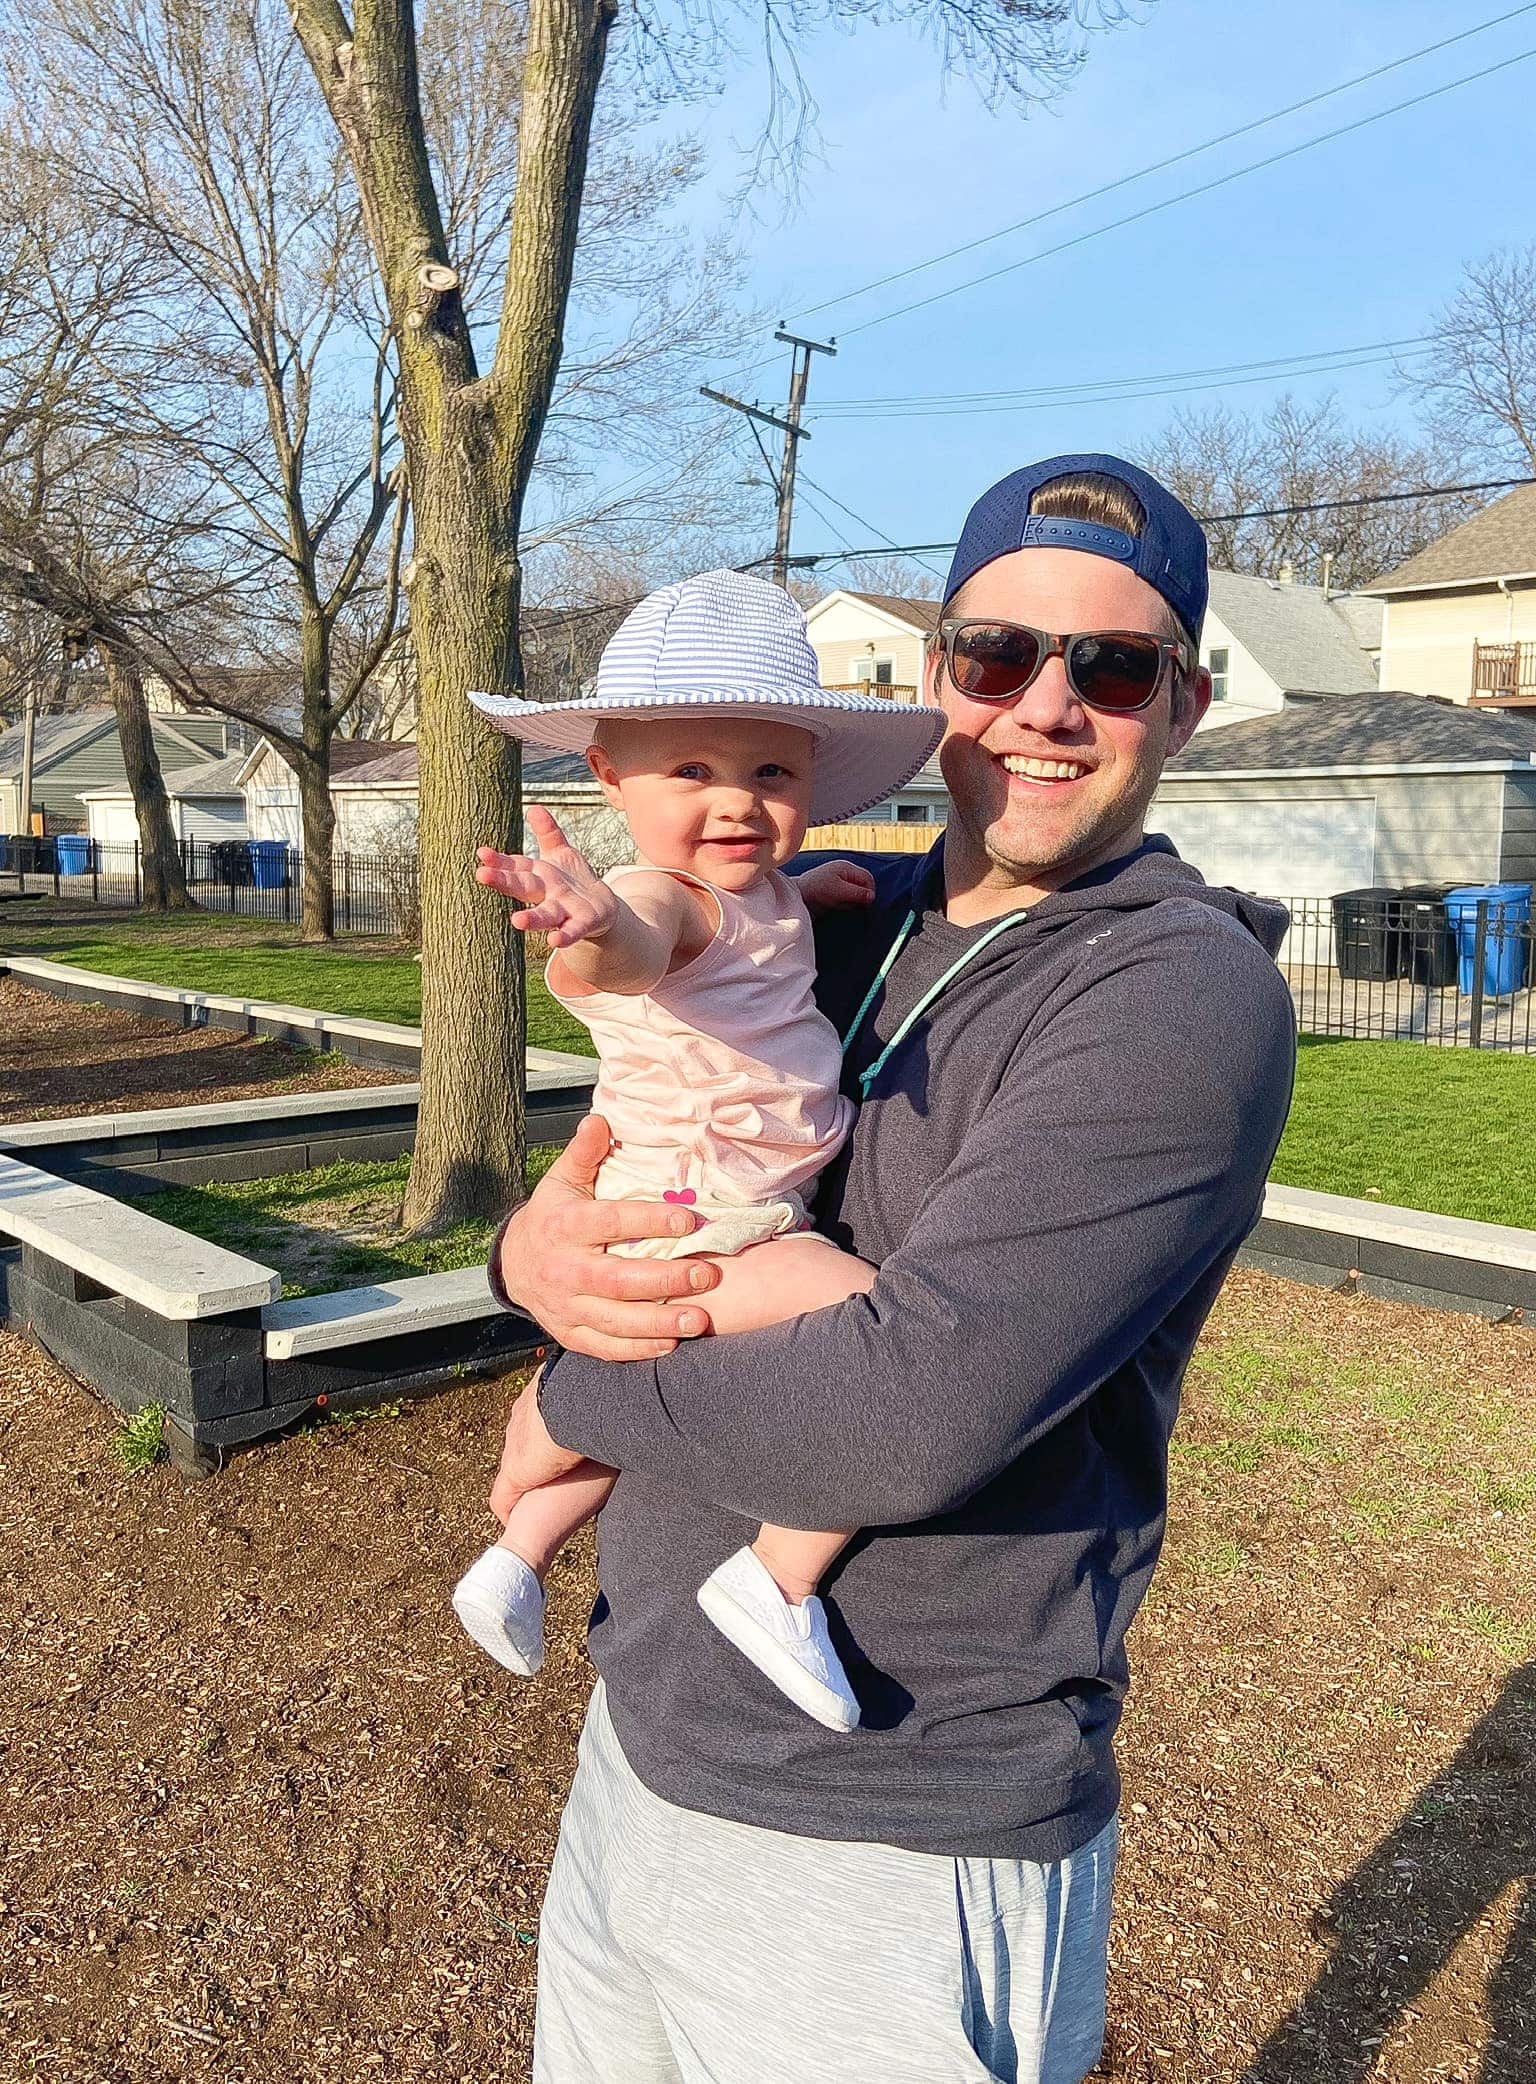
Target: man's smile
[{"x": 1036, "y": 773}]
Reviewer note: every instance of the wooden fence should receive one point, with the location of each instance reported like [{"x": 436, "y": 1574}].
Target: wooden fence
[{"x": 874, "y": 839}]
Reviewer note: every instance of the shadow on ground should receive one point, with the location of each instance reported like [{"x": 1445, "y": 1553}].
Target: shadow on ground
[{"x": 1467, "y": 1845}]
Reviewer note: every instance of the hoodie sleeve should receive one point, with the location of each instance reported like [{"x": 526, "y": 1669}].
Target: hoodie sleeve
[{"x": 1124, "y": 1154}]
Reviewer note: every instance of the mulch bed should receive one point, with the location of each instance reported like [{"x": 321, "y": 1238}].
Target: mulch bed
[
  {"x": 270, "y": 1817},
  {"x": 61, "y": 1058}
]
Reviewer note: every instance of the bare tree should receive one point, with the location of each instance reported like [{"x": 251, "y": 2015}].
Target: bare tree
[
  {"x": 1227, "y": 465},
  {"x": 200, "y": 137},
  {"x": 70, "y": 282},
  {"x": 471, "y": 437},
  {"x": 1477, "y": 382}
]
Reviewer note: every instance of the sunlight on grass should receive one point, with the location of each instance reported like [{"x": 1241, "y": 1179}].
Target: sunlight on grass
[{"x": 1450, "y": 1130}]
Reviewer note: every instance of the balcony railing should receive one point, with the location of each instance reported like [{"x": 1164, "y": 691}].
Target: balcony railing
[
  {"x": 893, "y": 690},
  {"x": 1504, "y": 675}
]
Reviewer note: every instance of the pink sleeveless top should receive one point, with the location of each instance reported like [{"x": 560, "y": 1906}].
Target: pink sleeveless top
[{"x": 723, "y": 1077}]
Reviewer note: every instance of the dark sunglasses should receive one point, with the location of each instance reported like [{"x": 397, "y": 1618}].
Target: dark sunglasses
[{"x": 1117, "y": 670}]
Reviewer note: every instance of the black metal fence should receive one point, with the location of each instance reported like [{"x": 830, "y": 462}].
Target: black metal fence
[
  {"x": 262, "y": 879},
  {"x": 1425, "y": 964}
]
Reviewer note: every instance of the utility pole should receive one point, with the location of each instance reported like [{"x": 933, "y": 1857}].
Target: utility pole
[
  {"x": 784, "y": 478},
  {"x": 28, "y": 735}
]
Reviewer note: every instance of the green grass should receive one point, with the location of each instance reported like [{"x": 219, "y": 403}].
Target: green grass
[
  {"x": 1450, "y": 1130},
  {"x": 297, "y": 1222},
  {"x": 254, "y": 959}
]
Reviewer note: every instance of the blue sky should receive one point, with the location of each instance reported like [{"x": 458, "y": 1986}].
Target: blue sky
[{"x": 1354, "y": 241}]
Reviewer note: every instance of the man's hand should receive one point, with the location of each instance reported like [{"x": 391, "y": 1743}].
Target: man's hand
[
  {"x": 529, "y": 1457},
  {"x": 836, "y": 886},
  {"x": 553, "y": 1264},
  {"x": 558, "y": 894}
]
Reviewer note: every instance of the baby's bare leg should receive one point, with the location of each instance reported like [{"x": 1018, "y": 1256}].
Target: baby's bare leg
[
  {"x": 786, "y": 1277},
  {"x": 797, "y": 1561},
  {"x": 543, "y": 1520}
]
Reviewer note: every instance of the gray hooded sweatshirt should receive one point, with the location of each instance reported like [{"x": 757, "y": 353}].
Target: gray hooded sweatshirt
[{"x": 1053, "y": 1172}]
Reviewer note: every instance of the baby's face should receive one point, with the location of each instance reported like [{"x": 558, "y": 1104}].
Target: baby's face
[{"x": 723, "y": 799}]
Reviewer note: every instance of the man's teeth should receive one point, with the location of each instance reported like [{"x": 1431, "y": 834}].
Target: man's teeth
[{"x": 1044, "y": 770}]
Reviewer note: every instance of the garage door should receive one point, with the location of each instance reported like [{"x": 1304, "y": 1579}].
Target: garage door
[{"x": 1282, "y": 846}]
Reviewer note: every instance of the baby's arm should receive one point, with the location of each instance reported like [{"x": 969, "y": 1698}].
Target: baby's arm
[
  {"x": 607, "y": 942},
  {"x": 786, "y": 1277}
]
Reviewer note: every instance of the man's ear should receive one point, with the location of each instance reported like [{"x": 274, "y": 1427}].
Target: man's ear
[
  {"x": 1191, "y": 699},
  {"x": 607, "y": 779}
]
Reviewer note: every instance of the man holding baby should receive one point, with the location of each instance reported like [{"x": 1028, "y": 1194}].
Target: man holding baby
[{"x": 1072, "y": 1062}]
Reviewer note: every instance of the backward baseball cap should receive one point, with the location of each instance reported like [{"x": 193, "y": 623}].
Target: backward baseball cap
[{"x": 1170, "y": 552}]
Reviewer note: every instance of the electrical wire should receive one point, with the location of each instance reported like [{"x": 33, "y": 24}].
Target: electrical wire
[{"x": 1159, "y": 166}]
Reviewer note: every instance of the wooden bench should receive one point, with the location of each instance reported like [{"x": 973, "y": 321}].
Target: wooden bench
[
  {"x": 127, "y": 1252},
  {"x": 353, "y": 1316}
]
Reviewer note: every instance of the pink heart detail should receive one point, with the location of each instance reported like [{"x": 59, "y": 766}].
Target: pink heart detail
[{"x": 687, "y": 1197}]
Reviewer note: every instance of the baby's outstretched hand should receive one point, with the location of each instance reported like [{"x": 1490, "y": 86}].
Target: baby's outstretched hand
[
  {"x": 559, "y": 893},
  {"x": 836, "y": 886}
]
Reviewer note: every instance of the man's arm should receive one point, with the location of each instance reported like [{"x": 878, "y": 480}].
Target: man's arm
[{"x": 1125, "y": 1154}]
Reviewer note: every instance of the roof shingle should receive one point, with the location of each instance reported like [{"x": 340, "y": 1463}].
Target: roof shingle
[
  {"x": 1498, "y": 543},
  {"x": 1388, "y": 730}
]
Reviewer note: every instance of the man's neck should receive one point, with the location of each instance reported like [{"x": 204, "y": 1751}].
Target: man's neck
[{"x": 977, "y": 888}]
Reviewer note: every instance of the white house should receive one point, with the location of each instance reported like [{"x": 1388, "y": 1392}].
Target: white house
[
  {"x": 206, "y": 803},
  {"x": 374, "y": 794},
  {"x": 875, "y": 641},
  {"x": 1461, "y": 615}
]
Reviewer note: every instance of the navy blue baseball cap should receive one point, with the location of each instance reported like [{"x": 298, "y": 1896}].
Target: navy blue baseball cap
[{"x": 1170, "y": 552}]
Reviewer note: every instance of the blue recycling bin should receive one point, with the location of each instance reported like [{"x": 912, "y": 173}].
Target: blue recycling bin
[
  {"x": 269, "y": 864},
  {"x": 1509, "y": 929},
  {"x": 74, "y": 854}
]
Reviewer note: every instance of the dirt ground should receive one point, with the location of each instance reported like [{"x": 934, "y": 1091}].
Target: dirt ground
[
  {"x": 267, "y": 1816},
  {"x": 61, "y": 1058}
]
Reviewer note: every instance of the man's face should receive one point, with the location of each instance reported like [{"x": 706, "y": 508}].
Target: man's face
[{"x": 1043, "y": 787}]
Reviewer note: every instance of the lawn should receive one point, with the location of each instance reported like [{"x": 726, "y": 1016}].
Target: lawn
[
  {"x": 251, "y": 958},
  {"x": 1453, "y": 1130},
  {"x": 330, "y": 1228}
]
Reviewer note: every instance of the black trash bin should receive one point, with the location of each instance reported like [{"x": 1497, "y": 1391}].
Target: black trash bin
[
  {"x": 1428, "y": 938},
  {"x": 1368, "y": 941}
]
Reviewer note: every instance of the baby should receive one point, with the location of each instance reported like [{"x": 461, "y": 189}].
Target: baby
[{"x": 693, "y": 971}]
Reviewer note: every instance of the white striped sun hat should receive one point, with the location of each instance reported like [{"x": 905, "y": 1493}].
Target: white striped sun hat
[{"x": 728, "y": 641}]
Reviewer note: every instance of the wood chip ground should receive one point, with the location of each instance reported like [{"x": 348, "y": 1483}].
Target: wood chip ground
[{"x": 268, "y": 1817}]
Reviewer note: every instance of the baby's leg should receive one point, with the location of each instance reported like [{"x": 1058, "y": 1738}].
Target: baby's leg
[
  {"x": 543, "y": 1520},
  {"x": 797, "y": 1561},
  {"x": 786, "y": 1277}
]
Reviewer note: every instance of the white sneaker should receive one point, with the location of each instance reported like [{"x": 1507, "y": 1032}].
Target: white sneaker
[
  {"x": 788, "y": 1644},
  {"x": 501, "y": 1604}
]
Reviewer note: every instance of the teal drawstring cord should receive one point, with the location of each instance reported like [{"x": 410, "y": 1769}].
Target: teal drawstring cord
[{"x": 934, "y": 992}]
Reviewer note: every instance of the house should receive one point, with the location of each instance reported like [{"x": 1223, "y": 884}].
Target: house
[
  {"x": 1356, "y": 791},
  {"x": 80, "y": 751},
  {"x": 1265, "y": 640},
  {"x": 374, "y": 794},
  {"x": 206, "y": 802},
  {"x": 1461, "y": 615},
  {"x": 874, "y": 642}
]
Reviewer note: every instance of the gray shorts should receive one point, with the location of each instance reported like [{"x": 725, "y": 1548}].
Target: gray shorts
[{"x": 677, "y": 1948}]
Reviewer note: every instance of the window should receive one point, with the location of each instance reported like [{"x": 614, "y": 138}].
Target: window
[
  {"x": 879, "y": 670},
  {"x": 1219, "y": 664},
  {"x": 912, "y": 814}
]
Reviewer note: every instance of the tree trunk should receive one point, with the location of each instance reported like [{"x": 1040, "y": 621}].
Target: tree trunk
[
  {"x": 165, "y": 882},
  {"x": 317, "y": 825},
  {"x": 469, "y": 1143},
  {"x": 316, "y": 809}
]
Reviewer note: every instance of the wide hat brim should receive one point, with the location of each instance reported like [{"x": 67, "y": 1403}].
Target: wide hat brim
[{"x": 867, "y": 746}]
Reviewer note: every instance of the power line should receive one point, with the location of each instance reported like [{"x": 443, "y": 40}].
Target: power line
[
  {"x": 1316, "y": 506},
  {"x": 852, "y": 516},
  {"x": 1112, "y": 391},
  {"x": 1159, "y": 166},
  {"x": 1188, "y": 194}
]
